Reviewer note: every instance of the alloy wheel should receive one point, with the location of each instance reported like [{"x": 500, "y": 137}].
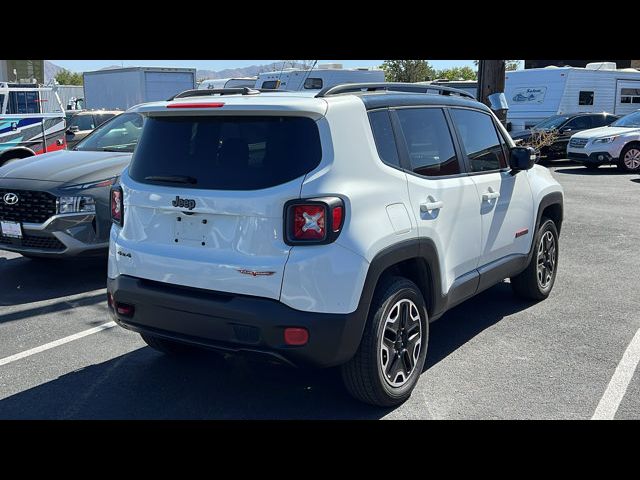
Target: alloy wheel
[
  {"x": 400, "y": 343},
  {"x": 546, "y": 259}
]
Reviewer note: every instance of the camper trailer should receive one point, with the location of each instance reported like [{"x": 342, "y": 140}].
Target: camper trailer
[
  {"x": 32, "y": 121},
  {"x": 325, "y": 75},
  {"x": 227, "y": 83},
  {"x": 538, "y": 93}
]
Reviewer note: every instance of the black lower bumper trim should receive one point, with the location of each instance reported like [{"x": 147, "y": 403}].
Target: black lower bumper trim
[
  {"x": 596, "y": 158},
  {"x": 238, "y": 323}
]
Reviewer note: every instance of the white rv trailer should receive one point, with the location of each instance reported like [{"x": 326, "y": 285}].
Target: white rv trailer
[
  {"x": 227, "y": 83},
  {"x": 538, "y": 93},
  {"x": 325, "y": 75}
]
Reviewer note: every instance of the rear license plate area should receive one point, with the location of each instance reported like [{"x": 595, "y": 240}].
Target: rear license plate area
[{"x": 192, "y": 230}]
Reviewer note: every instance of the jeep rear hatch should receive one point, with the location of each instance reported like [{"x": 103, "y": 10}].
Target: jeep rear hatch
[{"x": 204, "y": 199}]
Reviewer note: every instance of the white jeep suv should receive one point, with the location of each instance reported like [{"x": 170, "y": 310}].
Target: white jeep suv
[
  {"x": 325, "y": 229},
  {"x": 617, "y": 143}
]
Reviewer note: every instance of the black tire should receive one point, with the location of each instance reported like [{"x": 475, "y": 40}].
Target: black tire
[
  {"x": 592, "y": 166},
  {"x": 527, "y": 284},
  {"x": 168, "y": 346},
  {"x": 364, "y": 375},
  {"x": 635, "y": 167}
]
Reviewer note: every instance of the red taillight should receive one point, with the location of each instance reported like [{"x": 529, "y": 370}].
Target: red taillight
[
  {"x": 313, "y": 221},
  {"x": 296, "y": 336},
  {"x": 125, "y": 309},
  {"x": 309, "y": 222},
  {"x": 196, "y": 105},
  {"x": 117, "y": 206},
  {"x": 337, "y": 214}
]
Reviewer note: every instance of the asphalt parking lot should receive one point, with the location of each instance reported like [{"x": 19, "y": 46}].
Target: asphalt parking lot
[{"x": 493, "y": 357}]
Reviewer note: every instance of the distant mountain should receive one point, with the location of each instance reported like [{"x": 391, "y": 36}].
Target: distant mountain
[
  {"x": 50, "y": 71},
  {"x": 250, "y": 71}
]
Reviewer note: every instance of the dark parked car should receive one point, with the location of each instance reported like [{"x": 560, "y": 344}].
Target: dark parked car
[
  {"x": 57, "y": 204},
  {"x": 82, "y": 123},
  {"x": 565, "y": 126}
]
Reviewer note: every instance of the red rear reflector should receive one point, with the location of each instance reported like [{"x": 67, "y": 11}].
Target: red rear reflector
[
  {"x": 296, "y": 336},
  {"x": 309, "y": 222},
  {"x": 124, "y": 309},
  {"x": 109, "y": 299},
  {"x": 337, "y": 218},
  {"x": 196, "y": 105}
]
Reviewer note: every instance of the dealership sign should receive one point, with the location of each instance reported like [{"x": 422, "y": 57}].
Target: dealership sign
[{"x": 529, "y": 94}]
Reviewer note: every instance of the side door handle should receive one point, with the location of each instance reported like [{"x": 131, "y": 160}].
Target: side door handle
[
  {"x": 431, "y": 204},
  {"x": 490, "y": 194}
]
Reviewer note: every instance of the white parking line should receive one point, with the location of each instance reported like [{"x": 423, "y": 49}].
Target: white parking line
[
  {"x": 56, "y": 343},
  {"x": 618, "y": 384}
]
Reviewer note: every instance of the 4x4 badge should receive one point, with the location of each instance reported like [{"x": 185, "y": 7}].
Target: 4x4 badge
[{"x": 184, "y": 202}]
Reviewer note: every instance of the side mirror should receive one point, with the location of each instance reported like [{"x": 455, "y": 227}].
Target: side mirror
[
  {"x": 522, "y": 158},
  {"x": 73, "y": 129}
]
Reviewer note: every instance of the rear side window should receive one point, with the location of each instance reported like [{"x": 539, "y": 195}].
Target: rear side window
[
  {"x": 313, "y": 83},
  {"x": 383, "y": 135},
  {"x": 429, "y": 142},
  {"x": 480, "y": 140},
  {"x": 83, "y": 122},
  {"x": 270, "y": 84},
  {"x": 580, "y": 123},
  {"x": 225, "y": 152}
]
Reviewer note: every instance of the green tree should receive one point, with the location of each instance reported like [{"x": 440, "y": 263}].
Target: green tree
[
  {"x": 66, "y": 77},
  {"x": 457, "y": 73},
  {"x": 408, "y": 70},
  {"x": 509, "y": 64}
]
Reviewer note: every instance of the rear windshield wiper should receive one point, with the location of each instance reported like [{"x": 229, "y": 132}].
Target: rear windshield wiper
[{"x": 172, "y": 179}]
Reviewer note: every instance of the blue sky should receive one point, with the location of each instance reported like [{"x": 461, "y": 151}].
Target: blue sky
[{"x": 217, "y": 65}]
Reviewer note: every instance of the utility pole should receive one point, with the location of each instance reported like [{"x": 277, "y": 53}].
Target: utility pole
[{"x": 491, "y": 75}]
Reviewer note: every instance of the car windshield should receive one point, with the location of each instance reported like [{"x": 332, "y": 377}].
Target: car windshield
[
  {"x": 120, "y": 134},
  {"x": 551, "y": 122},
  {"x": 631, "y": 120}
]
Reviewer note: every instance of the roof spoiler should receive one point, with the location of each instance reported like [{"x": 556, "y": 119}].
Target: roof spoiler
[{"x": 391, "y": 87}]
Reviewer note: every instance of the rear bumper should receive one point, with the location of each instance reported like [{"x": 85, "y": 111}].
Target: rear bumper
[{"x": 238, "y": 323}]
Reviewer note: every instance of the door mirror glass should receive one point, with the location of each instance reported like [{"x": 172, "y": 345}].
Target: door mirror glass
[{"x": 522, "y": 158}]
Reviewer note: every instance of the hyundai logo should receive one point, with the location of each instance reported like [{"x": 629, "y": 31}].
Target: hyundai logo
[{"x": 10, "y": 198}]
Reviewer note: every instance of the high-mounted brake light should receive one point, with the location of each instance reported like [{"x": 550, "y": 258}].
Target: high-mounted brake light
[
  {"x": 313, "y": 221},
  {"x": 196, "y": 105},
  {"x": 117, "y": 206}
]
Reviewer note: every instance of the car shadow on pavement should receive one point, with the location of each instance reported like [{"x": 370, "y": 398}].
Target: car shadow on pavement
[
  {"x": 23, "y": 280},
  {"x": 580, "y": 170},
  {"x": 462, "y": 323},
  {"x": 145, "y": 384},
  {"x": 635, "y": 180}
]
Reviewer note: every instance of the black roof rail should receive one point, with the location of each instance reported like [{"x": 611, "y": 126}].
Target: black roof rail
[
  {"x": 391, "y": 86},
  {"x": 205, "y": 92}
]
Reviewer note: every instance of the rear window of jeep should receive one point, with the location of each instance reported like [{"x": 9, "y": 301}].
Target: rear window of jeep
[{"x": 226, "y": 152}]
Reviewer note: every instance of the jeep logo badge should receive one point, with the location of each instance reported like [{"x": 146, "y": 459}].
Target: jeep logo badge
[
  {"x": 181, "y": 202},
  {"x": 10, "y": 198}
]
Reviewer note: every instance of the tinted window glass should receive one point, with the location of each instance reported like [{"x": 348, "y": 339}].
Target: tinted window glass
[
  {"x": 83, "y": 122},
  {"x": 383, "y": 135},
  {"x": 429, "y": 141},
  {"x": 585, "y": 98},
  {"x": 600, "y": 120},
  {"x": 103, "y": 117},
  {"x": 313, "y": 83},
  {"x": 1, "y": 102},
  {"x": 480, "y": 139},
  {"x": 227, "y": 153},
  {"x": 582, "y": 122},
  {"x": 120, "y": 134},
  {"x": 23, "y": 102},
  {"x": 272, "y": 84}
]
